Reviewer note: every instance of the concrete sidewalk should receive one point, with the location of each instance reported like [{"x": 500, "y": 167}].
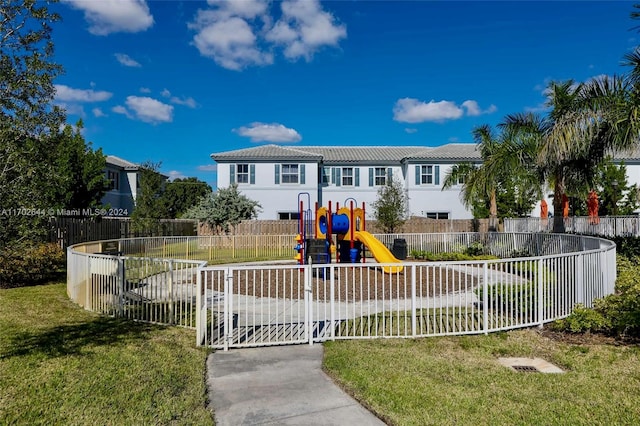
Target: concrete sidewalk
[{"x": 282, "y": 385}]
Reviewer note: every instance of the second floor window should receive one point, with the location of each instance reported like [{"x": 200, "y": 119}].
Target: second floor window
[
  {"x": 290, "y": 173},
  {"x": 242, "y": 173},
  {"x": 114, "y": 180},
  {"x": 380, "y": 176},
  {"x": 347, "y": 176},
  {"x": 428, "y": 175}
]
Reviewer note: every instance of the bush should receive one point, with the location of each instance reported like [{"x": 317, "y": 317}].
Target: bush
[
  {"x": 617, "y": 314},
  {"x": 23, "y": 264},
  {"x": 583, "y": 320},
  {"x": 448, "y": 256}
]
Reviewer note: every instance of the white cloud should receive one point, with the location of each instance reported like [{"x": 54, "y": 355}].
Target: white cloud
[
  {"x": 304, "y": 28},
  {"x": 110, "y": 16},
  {"x": 410, "y": 130},
  {"x": 239, "y": 33},
  {"x": 174, "y": 174},
  {"x": 189, "y": 102},
  {"x": 149, "y": 110},
  {"x": 119, "y": 109},
  {"x": 127, "y": 60},
  {"x": 473, "y": 109},
  {"x": 229, "y": 41},
  {"x": 145, "y": 90},
  {"x": 72, "y": 109},
  {"x": 97, "y": 112},
  {"x": 69, "y": 94},
  {"x": 410, "y": 110},
  {"x": 273, "y": 132},
  {"x": 208, "y": 168}
]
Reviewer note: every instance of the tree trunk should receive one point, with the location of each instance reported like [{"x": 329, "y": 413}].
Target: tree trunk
[
  {"x": 558, "y": 192},
  {"x": 493, "y": 212}
]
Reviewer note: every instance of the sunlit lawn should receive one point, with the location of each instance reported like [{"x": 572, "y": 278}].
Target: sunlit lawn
[
  {"x": 60, "y": 364},
  {"x": 438, "y": 381}
]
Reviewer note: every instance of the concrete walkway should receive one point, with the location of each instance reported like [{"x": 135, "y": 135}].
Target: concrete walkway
[{"x": 280, "y": 385}]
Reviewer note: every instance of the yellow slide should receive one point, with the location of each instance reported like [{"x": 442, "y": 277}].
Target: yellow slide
[{"x": 380, "y": 252}]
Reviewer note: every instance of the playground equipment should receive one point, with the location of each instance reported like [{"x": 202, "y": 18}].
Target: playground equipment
[{"x": 351, "y": 237}]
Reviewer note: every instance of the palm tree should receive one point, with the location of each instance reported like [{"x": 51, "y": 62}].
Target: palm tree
[
  {"x": 585, "y": 123},
  {"x": 479, "y": 180}
]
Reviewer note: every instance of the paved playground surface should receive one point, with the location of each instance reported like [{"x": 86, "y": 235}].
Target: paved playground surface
[{"x": 282, "y": 385}]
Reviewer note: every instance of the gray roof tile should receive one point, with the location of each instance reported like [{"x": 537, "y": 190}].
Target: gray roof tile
[{"x": 119, "y": 162}]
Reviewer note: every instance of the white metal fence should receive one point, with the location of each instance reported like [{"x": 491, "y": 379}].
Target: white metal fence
[
  {"x": 608, "y": 226},
  {"x": 540, "y": 278}
]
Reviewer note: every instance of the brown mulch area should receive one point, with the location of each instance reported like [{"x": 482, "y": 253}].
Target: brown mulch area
[
  {"x": 588, "y": 338},
  {"x": 351, "y": 284}
]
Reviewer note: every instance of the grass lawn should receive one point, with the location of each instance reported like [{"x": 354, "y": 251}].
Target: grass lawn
[
  {"x": 60, "y": 364},
  {"x": 439, "y": 381}
]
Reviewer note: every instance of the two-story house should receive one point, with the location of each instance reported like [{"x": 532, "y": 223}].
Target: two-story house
[
  {"x": 275, "y": 175},
  {"x": 123, "y": 184}
]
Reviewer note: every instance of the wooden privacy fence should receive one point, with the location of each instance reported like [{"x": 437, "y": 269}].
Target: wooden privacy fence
[
  {"x": 413, "y": 225},
  {"x": 67, "y": 231}
]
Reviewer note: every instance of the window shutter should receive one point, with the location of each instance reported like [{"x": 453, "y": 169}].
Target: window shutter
[
  {"x": 417, "y": 175},
  {"x": 370, "y": 176},
  {"x": 389, "y": 175},
  {"x": 357, "y": 179},
  {"x": 436, "y": 172},
  {"x": 252, "y": 174},
  {"x": 232, "y": 174},
  {"x": 338, "y": 182},
  {"x": 333, "y": 175},
  {"x": 277, "y": 178},
  {"x": 302, "y": 174}
]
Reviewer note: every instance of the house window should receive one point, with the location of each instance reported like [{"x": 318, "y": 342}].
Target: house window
[
  {"x": 347, "y": 176},
  {"x": 289, "y": 215},
  {"x": 242, "y": 173},
  {"x": 438, "y": 215},
  {"x": 290, "y": 173},
  {"x": 326, "y": 175},
  {"x": 114, "y": 180},
  {"x": 426, "y": 175},
  {"x": 380, "y": 176}
]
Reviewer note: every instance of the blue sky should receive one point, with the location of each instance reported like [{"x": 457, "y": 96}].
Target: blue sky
[{"x": 174, "y": 81}]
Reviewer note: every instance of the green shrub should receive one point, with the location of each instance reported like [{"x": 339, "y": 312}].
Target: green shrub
[
  {"x": 475, "y": 249},
  {"x": 448, "y": 256},
  {"x": 583, "y": 320},
  {"x": 23, "y": 264},
  {"x": 617, "y": 314}
]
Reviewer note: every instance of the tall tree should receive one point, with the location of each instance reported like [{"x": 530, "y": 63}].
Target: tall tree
[
  {"x": 27, "y": 116},
  {"x": 390, "y": 206},
  {"x": 149, "y": 207},
  {"x": 182, "y": 194},
  {"x": 224, "y": 209}
]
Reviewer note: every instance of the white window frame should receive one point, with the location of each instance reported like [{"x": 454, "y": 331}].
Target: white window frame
[
  {"x": 242, "y": 177},
  {"x": 114, "y": 180},
  {"x": 346, "y": 177},
  {"x": 380, "y": 176},
  {"x": 287, "y": 174},
  {"x": 427, "y": 174}
]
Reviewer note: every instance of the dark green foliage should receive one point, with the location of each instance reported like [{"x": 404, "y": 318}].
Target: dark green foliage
[
  {"x": 182, "y": 194},
  {"x": 583, "y": 320},
  {"x": 150, "y": 207},
  {"x": 448, "y": 256},
  {"x": 390, "y": 207},
  {"x": 24, "y": 264},
  {"x": 617, "y": 314},
  {"x": 224, "y": 209},
  {"x": 628, "y": 247}
]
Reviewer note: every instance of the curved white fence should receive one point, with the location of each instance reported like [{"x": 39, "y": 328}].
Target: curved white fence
[{"x": 540, "y": 278}]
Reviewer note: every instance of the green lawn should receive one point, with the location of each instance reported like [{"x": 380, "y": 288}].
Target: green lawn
[
  {"x": 60, "y": 364},
  {"x": 439, "y": 381}
]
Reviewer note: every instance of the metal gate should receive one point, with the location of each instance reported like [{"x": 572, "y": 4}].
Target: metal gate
[{"x": 252, "y": 306}]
